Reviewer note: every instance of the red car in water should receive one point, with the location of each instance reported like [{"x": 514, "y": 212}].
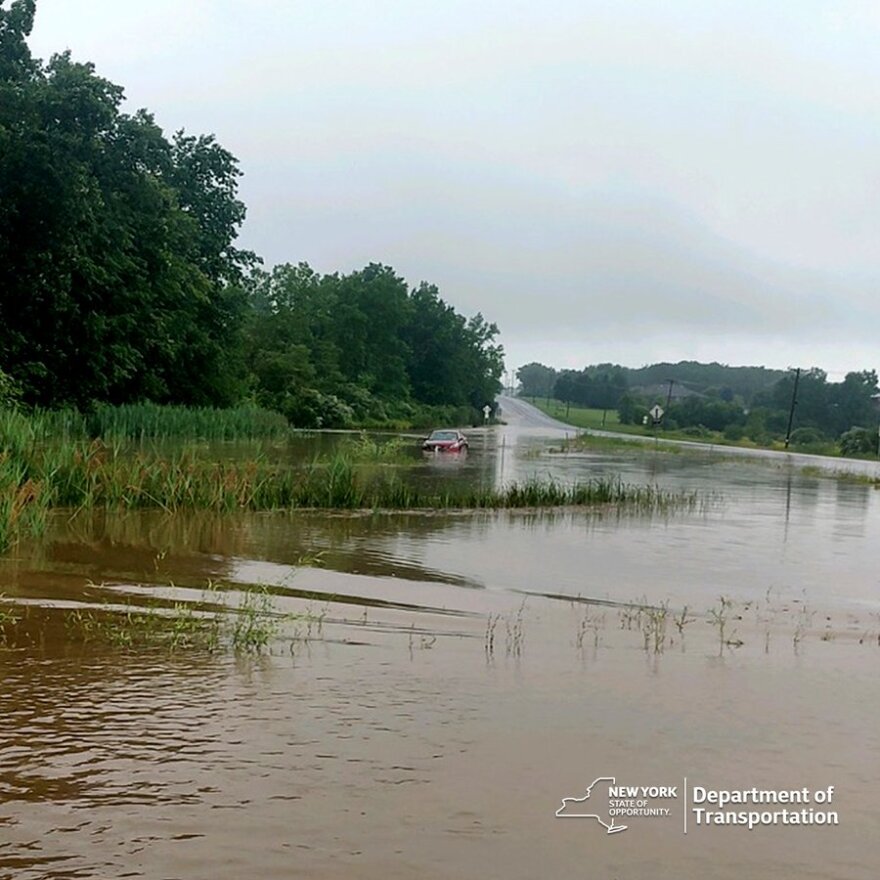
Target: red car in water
[{"x": 445, "y": 441}]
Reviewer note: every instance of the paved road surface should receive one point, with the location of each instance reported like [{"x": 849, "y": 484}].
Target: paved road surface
[{"x": 522, "y": 414}]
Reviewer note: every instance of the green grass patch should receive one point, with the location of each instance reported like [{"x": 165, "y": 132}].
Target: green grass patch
[
  {"x": 148, "y": 421},
  {"x": 144, "y": 421},
  {"x": 582, "y": 417},
  {"x": 600, "y": 442}
]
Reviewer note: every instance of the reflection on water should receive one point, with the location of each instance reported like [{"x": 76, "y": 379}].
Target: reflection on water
[
  {"x": 765, "y": 527},
  {"x": 394, "y": 744}
]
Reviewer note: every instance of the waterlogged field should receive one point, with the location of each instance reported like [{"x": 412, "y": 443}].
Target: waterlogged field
[{"x": 191, "y": 691}]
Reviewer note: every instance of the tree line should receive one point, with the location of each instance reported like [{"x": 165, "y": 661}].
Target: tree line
[
  {"x": 538, "y": 380},
  {"x": 121, "y": 281},
  {"x": 363, "y": 347}
]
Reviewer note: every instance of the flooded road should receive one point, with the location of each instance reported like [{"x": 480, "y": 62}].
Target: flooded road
[{"x": 445, "y": 679}]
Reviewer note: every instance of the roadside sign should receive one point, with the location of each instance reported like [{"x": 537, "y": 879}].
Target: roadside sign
[
  {"x": 656, "y": 412},
  {"x": 487, "y": 411}
]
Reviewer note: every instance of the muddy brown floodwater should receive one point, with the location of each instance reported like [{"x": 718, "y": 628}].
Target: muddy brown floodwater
[{"x": 446, "y": 679}]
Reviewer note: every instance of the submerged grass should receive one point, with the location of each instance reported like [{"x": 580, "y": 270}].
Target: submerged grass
[
  {"x": 177, "y": 629},
  {"x": 246, "y": 626},
  {"x": 85, "y": 476},
  {"x": 364, "y": 448},
  {"x": 8, "y": 618},
  {"x": 842, "y": 475}
]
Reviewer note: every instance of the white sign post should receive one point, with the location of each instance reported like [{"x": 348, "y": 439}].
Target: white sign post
[
  {"x": 656, "y": 413},
  {"x": 487, "y": 411}
]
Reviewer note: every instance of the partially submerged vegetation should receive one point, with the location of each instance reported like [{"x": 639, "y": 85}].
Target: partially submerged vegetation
[
  {"x": 843, "y": 475},
  {"x": 247, "y": 624},
  {"x": 39, "y": 473},
  {"x": 363, "y": 447},
  {"x": 728, "y": 624},
  {"x": 248, "y": 619}
]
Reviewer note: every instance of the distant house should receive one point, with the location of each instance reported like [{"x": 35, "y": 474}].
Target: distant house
[{"x": 661, "y": 392}]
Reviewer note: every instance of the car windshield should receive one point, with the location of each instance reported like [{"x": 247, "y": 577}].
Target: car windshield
[{"x": 443, "y": 435}]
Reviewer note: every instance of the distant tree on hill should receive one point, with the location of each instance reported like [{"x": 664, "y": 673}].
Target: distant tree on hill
[{"x": 536, "y": 380}]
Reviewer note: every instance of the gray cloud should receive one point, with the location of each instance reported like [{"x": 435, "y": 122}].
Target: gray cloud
[{"x": 623, "y": 181}]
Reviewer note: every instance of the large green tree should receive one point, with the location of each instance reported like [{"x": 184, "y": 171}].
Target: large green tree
[
  {"x": 536, "y": 380},
  {"x": 119, "y": 279}
]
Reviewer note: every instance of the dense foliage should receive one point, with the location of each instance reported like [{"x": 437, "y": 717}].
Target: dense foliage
[
  {"x": 337, "y": 349},
  {"x": 120, "y": 280},
  {"x": 118, "y": 269}
]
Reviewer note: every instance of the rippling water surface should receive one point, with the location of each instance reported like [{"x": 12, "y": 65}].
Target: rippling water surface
[{"x": 459, "y": 674}]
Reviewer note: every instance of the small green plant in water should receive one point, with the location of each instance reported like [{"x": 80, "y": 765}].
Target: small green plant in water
[
  {"x": 368, "y": 448},
  {"x": 489, "y": 638},
  {"x": 720, "y": 617},
  {"x": 8, "y": 617},
  {"x": 654, "y": 626},
  {"x": 255, "y": 621},
  {"x": 514, "y": 626}
]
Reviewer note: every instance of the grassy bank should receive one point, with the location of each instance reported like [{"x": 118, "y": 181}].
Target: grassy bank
[
  {"x": 582, "y": 417},
  {"x": 145, "y": 421}
]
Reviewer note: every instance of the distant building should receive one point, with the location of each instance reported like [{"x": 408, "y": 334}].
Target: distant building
[{"x": 661, "y": 392}]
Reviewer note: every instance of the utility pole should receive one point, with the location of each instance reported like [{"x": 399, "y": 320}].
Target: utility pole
[
  {"x": 797, "y": 376},
  {"x": 669, "y": 394}
]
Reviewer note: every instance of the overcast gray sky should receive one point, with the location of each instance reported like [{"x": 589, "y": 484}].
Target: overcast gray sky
[{"x": 607, "y": 181}]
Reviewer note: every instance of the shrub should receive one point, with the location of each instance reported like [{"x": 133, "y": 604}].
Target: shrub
[
  {"x": 734, "y": 433},
  {"x": 806, "y": 437},
  {"x": 696, "y": 431},
  {"x": 858, "y": 441},
  {"x": 10, "y": 392}
]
